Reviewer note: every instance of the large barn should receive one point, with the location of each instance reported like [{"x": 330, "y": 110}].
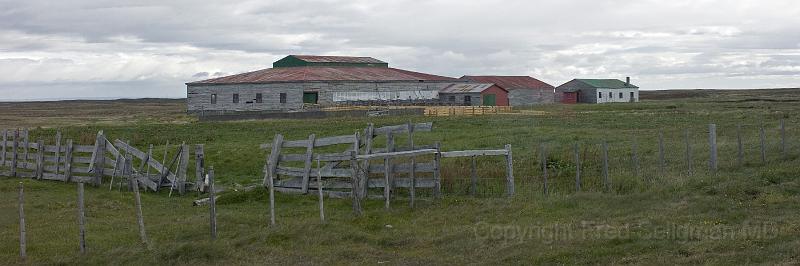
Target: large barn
[
  {"x": 298, "y": 81},
  {"x": 522, "y": 90},
  {"x": 598, "y": 91}
]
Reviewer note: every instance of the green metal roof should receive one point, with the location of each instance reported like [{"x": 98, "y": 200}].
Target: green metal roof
[{"x": 607, "y": 83}]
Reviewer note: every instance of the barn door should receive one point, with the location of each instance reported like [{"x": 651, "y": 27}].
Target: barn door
[{"x": 489, "y": 99}]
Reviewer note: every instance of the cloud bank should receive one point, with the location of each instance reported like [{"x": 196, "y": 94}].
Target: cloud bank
[{"x": 85, "y": 49}]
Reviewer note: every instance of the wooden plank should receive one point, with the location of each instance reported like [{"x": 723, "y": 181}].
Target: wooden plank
[
  {"x": 25, "y": 147},
  {"x": 396, "y": 154},
  {"x": 363, "y": 179},
  {"x": 470, "y": 153},
  {"x": 40, "y": 160},
  {"x": 51, "y": 176},
  {"x": 403, "y": 168},
  {"x": 57, "y": 151},
  {"x": 81, "y": 160},
  {"x": 356, "y": 180},
  {"x": 14, "y": 153},
  {"x": 99, "y": 164},
  {"x": 272, "y": 159},
  {"x": 292, "y": 158},
  {"x": 81, "y": 170},
  {"x": 183, "y": 166},
  {"x": 320, "y": 187},
  {"x": 328, "y": 141},
  {"x": 295, "y": 144},
  {"x": 199, "y": 167},
  {"x": 143, "y": 156},
  {"x": 509, "y": 172},
  {"x": 300, "y": 172},
  {"x": 5, "y": 143},
  {"x": 334, "y": 157},
  {"x": 419, "y": 127},
  {"x": 412, "y": 164},
  {"x": 212, "y": 206},
  {"x": 307, "y": 166},
  {"x": 139, "y": 215},
  {"x": 68, "y": 161},
  {"x": 387, "y": 171},
  {"x": 83, "y": 148},
  {"x": 110, "y": 148},
  {"x": 712, "y": 142}
]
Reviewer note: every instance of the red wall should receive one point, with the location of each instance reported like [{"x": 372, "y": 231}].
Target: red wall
[
  {"x": 502, "y": 95},
  {"x": 569, "y": 97}
]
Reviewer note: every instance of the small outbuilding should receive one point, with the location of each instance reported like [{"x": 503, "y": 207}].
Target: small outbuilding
[
  {"x": 474, "y": 94},
  {"x": 598, "y": 91},
  {"x": 522, "y": 90}
]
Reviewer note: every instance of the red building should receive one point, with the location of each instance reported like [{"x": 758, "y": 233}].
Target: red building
[{"x": 474, "y": 94}]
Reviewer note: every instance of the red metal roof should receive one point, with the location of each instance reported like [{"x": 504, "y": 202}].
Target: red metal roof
[
  {"x": 304, "y": 74},
  {"x": 511, "y": 82},
  {"x": 338, "y": 59}
]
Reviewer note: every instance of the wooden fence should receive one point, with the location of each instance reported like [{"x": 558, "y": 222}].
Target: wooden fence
[
  {"x": 466, "y": 110},
  {"x": 67, "y": 161}
]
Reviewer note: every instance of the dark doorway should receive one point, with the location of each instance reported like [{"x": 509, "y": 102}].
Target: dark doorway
[{"x": 310, "y": 97}]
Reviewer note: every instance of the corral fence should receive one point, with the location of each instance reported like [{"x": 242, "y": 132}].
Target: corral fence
[
  {"x": 104, "y": 161},
  {"x": 466, "y": 110}
]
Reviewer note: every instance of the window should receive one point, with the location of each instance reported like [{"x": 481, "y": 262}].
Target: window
[
  {"x": 451, "y": 98},
  {"x": 310, "y": 97},
  {"x": 631, "y": 95},
  {"x": 620, "y": 95},
  {"x": 600, "y": 95},
  {"x": 283, "y": 97},
  {"x": 259, "y": 98},
  {"x": 467, "y": 100},
  {"x": 610, "y": 95},
  {"x": 235, "y": 98},
  {"x": 213, "y": 99}
]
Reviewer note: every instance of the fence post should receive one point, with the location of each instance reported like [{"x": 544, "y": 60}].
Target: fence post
[
  {"x": 437, "y": 176},
  {"x": 509, "y": 172},
  {"x": 100, "y": 159},
  {"x": 22, "y": 244},
  {"x": 661, "y": 160},
  {"x": 783, "y": 140},
  {"x": 26, "y": 147},
  {"x": 543, "y": 164},
  {"x": 635, "y": 158},
  {"x": 183, "y": 166},
  {"x": 3, "y": 155},
  {"x": 319, "y": 190},
  {"x": 68, "y": 161},
  {"x": 199, "y": 167},
  {"x": 81, "y": 220},
  {"x": 212, "y": 206},
  {"x": 40, "y": 159},
  {"x": 412, "y": 170},
  {"x": 740, "y": 153},
  {"x": 576, "y": 150},
  {"x": 357, "y": 182},
  {"x": 139, "y": 215},
  {"x": 58, "y": 152},
  {"x": 606, "y": 178},
  {"x": 763, "y": 144},
  {"x": 712, "y": 141},
  {"x": 14, "y": 153},
  {"x": 688, "y": 153},
  {"x": 307, "y": 163},
  {"x": 473, "y": 188}
]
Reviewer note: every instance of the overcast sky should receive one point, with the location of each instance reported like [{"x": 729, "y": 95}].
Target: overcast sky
[{"x": 83, "y": 49}]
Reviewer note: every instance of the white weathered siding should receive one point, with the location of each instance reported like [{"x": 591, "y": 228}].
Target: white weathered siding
[{"x": 614, "y": 96}]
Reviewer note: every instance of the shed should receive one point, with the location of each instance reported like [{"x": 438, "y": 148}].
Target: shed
[
  {"x": 598, "y": 91},
  {"x": 522, "y": 90},
  {"x": 474, "y": 94}
]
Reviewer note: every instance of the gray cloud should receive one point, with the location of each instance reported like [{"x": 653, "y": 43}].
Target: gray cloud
[{"x": 100, "y": 48}]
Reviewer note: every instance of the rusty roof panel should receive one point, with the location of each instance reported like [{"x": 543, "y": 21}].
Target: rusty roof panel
[
  {"x": 511, "y": 82},
  {"x": 339, "y": 59},
  {"x": 306, "y": 74},
  {"x": 466, "y": 88}
]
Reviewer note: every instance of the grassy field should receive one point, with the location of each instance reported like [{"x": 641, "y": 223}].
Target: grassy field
[{"x": 741, "y": 214}]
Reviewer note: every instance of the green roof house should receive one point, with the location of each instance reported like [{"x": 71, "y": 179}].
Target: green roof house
[{"x": 598, "y": 91}]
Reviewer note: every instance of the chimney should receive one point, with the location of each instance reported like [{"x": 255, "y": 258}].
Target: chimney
[{"x": 627, "y": 81}]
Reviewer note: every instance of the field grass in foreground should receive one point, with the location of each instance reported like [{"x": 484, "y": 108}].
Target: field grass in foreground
[{"x": 740, "y": 215}]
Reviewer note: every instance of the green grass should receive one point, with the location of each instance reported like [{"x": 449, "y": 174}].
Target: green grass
[{"x": 653, "y": 218}]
